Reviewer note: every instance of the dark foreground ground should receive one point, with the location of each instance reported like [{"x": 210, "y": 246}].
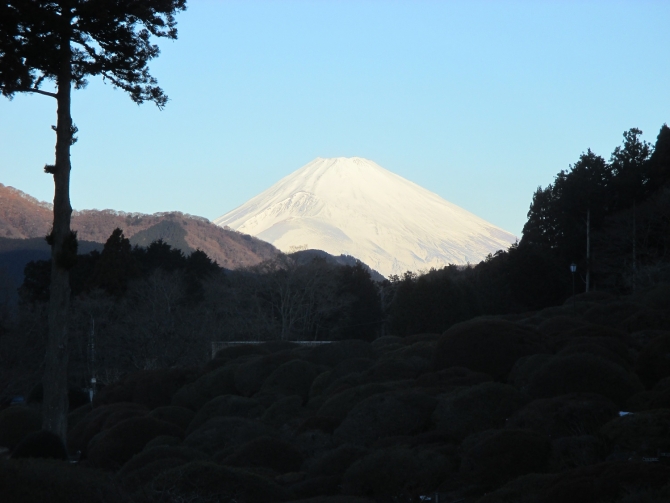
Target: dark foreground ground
[{"x": 521, "y": 408}]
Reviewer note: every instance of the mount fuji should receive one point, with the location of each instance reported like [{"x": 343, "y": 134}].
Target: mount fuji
[{"x": 353, "y": 206}]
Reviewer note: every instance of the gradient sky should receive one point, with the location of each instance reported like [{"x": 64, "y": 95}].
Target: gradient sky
[{"x": 478, "y": 101}]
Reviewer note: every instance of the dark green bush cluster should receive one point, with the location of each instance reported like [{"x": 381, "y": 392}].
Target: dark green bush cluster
[{"x": 493, "y": 410}]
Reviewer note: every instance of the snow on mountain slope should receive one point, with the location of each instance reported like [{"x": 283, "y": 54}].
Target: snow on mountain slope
[{"x": 354, "y": 206}]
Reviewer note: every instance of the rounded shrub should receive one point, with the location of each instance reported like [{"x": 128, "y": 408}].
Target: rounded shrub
[
  {"x": 94, "y": 422},
  {"x": 583, "y": 373},
  {"x": 387, "y": 340},
  {"x": 524, "y": 489},
  {"x": 345, "y": 368},
  {"x": 266, "y": 452},
  {"x": 163, "y": 440},
  {"x": 320, "y": 488},
  {"x": 566, "y": 415},
  {"x": 251, "y": 374},
  {"x": 647, "y": 319},
  {"x": 294, "y": 377},
  {"x": 489, "y": 346},
  {"x": 396, "y": 473},
  {"x": 610, "y": 481},
  {"x": 336, "y": 461},
  {"x": 207, "y": 481},
  {"x": 339, "y": 405},
  {"x": 283, "y": 411},
  {"x": 320, "y": 383},
  {"x": 334, "y": 353},
  {"x": 334, "y": 498},
  {"x": 320, "y": 423},
  {"x": 618, "y": 348},
  {"x": 657, "y": 297},
  {"x": 524, "y": 368},
  {"x": 116, "y": 446},
  {"x": 595, "y": 349},
  {"x": 477, "y": 408},
  {"x": 385, "y": 415},
  {"x": 342, "y": 384},
  {"x": 16, "y": 422},
  {"x": 40, "y": 444},
  {"x": 144, "y": 466},
  {"x": 221, "y": 433},
  {"x": 77, "y": 415},
  {"x": 592, "y": 330},
  {"x": 226, "y": 406},
  {"x": 653, "y": 363},
  {"x": 450, "y": 378},
  {"x": 612, "y": 313},
  {"x": 568, "y": 453},
  {"x": 54, "y": 481},
  {"x": 151, "y": 388},
  {"x": 216, "y": 383},
  {"x": 504, "y": 455},
  {"x": 560, "y": 324},
  {"x": 646, "y": 433},
  {"x": 415, "y": 338},
  {"x": 394, "y": 369},
  {"x": 419, "y": 355},
  {"x": 179, "y": 416},
  {"x": 236, "y": 350},
  {"x": 152, "y": 454}
]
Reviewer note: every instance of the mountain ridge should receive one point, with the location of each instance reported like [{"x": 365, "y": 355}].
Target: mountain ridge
[{"x": 24, "y": 217}]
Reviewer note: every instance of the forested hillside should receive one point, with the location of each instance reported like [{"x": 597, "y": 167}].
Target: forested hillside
[
  {"x": 23, "y": 217},
  {"x": 620, "y": 207}
]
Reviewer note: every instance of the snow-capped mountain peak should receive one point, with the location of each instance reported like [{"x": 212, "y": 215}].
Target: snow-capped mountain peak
[{"x": 355, "y": 207}]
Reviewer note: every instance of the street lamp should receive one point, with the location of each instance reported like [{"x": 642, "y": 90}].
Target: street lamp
[{"x": 573, "y": 270}]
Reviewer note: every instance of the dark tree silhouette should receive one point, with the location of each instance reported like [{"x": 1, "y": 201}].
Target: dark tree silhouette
[
  {"x": 659, "y": 162},
  {"x": 66, "y": 41},
  {"x": 630, "y": 170},
  {"x": 116, "y": 265},
  {"x": 363, "y": 316}
]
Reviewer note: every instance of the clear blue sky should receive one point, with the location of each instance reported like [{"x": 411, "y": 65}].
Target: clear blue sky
[{"x": 478, "y": 101}]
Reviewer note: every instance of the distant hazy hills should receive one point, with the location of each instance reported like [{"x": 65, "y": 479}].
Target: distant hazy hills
[{"x": 23, "y": 217}]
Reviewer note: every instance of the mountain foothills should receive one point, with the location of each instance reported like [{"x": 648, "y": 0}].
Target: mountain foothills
[
  {"x": 353, "y": 206},
  {"x": 24, "y": 217}
]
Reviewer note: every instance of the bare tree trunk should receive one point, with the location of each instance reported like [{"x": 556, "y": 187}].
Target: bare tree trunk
[
  {"x": 588, "y": 249},
  {"x": 63, "y": 247}
]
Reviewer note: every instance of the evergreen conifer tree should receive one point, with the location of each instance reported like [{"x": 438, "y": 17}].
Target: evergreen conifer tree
[{"x": 65, "y": 42}]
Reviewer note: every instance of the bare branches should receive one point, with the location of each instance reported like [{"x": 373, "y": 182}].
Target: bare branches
[{"x": 36, "y": 91}]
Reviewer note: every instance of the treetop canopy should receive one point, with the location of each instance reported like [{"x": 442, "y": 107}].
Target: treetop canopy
[{"x": 111, "y": 38}]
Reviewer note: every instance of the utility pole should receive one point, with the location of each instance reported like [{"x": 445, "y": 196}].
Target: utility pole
[
  {"x": 91, "y": 347},
  {"x": 588, "y": 248},
  {"x": 634, "y": 247}
]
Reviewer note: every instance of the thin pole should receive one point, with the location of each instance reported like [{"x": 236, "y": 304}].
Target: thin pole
[
  {"x": 588, "y": 249},
  {"x": 574, "y": 301},
  {"x": 634, "y": 248}
]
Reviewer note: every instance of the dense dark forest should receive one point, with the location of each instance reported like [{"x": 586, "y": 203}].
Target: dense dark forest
[
  {"x": 487, "y": 383},
  {"x": 154, "y": 307},
  {"x": 618, "y": 209}
]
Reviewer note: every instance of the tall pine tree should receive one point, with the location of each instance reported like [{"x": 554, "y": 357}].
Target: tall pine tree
[{"x": 64, "y": 42}]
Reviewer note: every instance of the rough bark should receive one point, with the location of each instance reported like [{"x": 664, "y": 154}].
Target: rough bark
[{"x": 55, "y": 401}]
